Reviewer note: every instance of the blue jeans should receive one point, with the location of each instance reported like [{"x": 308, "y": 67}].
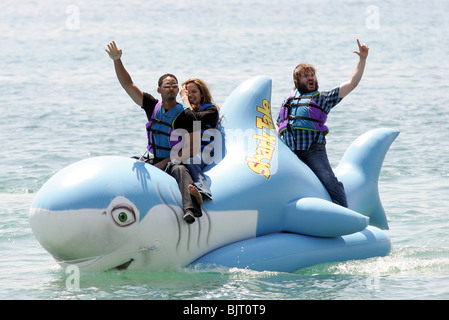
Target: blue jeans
[
  {"x": 316, "y": 159},
  {"x": 199, "y": 180}
]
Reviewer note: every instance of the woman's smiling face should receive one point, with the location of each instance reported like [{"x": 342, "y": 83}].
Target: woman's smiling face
[{"x": 194, "y": 94}]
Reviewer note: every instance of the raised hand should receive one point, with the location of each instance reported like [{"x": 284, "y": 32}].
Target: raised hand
[
  {"x": 114, "y": 52},
  {"x": 184, "y": 93},
  {"x": 363, "y": 50}
]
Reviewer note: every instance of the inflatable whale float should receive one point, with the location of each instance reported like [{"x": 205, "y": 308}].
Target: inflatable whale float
[{"x": 269, "y": 211}]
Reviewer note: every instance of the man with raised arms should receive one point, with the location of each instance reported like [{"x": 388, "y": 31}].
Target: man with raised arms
[
  {"x": 164, "y": 118},
  {"x": 302, "y": 117}
]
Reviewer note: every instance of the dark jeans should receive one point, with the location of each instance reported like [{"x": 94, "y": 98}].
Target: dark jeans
[
  {"x": 317, "y": 160},
  {"x": 184, "y": 179},
  {"x": 199, "y": 180}
]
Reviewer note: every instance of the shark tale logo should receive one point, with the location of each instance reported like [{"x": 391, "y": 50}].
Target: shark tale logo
[{"x": 260, "y": 163}]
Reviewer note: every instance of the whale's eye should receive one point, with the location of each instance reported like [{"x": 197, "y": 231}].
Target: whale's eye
[{"x": 123, "y": 215}]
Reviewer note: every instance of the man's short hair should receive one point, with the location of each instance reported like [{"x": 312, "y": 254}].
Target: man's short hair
[{"x": 159, "y": 83}]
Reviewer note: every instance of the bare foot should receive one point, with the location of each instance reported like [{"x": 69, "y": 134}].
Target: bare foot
[{"x": 196, "y": 194}]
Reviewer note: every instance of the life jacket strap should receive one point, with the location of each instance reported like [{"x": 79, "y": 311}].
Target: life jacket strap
[
  {"x": 159, "y": 131},
  {"x": 304, "y": 118},
  {"x": 301, "y": 104},
  {"x": 159, "y": 121}
]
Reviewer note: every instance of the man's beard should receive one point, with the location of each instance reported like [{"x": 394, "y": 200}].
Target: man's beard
[
  {"x": 170, "y": 97},
  {"x": 303, "y": 88}
]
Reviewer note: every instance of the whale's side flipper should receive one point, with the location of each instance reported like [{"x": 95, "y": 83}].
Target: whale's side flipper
[
  {"x": 359, "y": 171},
  {"x": 289, "y": 252},
  {"x": 321, "y": 218}
]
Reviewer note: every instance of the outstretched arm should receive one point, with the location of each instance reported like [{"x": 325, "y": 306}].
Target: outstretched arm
[
  {"x": 356, "y": 76},
  {"x": 123, "y": 75}
]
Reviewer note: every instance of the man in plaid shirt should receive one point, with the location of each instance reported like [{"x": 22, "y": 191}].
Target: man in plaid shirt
[{"x": 302, "y": 117}]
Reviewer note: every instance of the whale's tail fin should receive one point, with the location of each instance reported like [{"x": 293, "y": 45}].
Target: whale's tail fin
[{"x": 359, "y": 171}]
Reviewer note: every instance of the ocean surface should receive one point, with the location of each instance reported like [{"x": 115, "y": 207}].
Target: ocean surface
[{"x": 60, "y": 102}]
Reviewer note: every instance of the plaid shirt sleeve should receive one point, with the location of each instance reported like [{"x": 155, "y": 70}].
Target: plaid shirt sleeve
[{"x": 329, "y": 99}]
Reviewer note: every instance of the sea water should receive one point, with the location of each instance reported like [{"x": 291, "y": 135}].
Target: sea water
[{"x": 60, "y": 102}]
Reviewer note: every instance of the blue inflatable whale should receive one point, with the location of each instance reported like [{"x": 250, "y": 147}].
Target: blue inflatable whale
[{"x": 269, "y": 211}]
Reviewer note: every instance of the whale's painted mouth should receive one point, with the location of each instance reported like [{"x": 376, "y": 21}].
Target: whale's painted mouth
[{"x": 125, "y": 265}]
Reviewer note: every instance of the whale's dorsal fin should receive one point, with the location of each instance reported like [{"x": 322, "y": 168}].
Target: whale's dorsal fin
[
  {"x": 239, "y": 108},
  {"x": 247, "y": 111}
]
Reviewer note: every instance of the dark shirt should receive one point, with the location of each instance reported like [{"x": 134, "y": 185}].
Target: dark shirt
[{"x": 208, "y": 117}]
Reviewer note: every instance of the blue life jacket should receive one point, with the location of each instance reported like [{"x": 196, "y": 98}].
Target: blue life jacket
[
  {"x": 160, "y": 128},
  {"x": 300, "y": 111}
]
